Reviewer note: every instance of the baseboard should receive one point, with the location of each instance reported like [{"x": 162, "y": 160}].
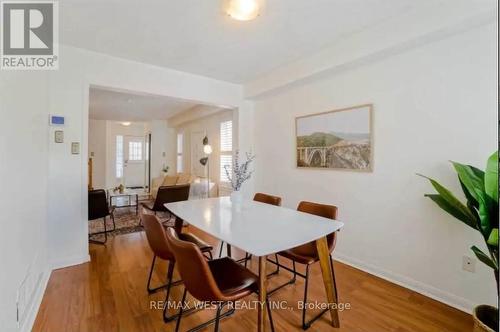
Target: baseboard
[
  {"x": 69, "y": 261},
  {"x": 403, "y": 281},
  {"x": 35, "y": 303},
  {"x": 42, "y": 286}
]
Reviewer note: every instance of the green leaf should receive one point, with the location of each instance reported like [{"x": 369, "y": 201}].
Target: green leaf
[
  {"x": 471, "y": 201},
  {"x": 451, "y": 200},
  {"x": 485, "y": 213},
  {"x": 453, "y": 210},
  {"x": 484, "y": 258},
  {"x": 473, "y": 182},
  {"x": 491, "y": 177},
  {"x": 493, "y": 238}
]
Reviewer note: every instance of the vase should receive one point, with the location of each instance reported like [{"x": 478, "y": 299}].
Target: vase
[
  {"x": 485, "y": 318},
  {"x": 236, "y": 197}
]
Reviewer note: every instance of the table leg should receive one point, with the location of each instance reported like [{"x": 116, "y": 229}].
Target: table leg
[
  {"x": 261, "y": 308},
  {"x": 136, "y": 204},
  {"x": 324, "y": 259},
  {"x": 178, "y": 224},
  {"x": 228, "y": 247}
]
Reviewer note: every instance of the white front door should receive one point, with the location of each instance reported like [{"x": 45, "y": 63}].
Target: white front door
[{"x": 133, "y": 157}]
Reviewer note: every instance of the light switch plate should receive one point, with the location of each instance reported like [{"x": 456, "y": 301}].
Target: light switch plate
[
  {"x": 75, "y": 148},
  {"x": 59, "y": 136}
]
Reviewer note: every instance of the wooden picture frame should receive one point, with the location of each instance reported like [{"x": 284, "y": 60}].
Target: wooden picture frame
[{"x": 342, "y": 142}]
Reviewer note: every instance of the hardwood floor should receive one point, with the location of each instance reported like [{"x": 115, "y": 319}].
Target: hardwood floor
[{"x": 109, "y": 294}]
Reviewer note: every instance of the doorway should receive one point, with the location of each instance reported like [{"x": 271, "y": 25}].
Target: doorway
[{"x": 134, "y": 156}]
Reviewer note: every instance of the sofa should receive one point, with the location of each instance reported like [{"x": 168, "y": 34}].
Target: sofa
[
  {"x": 170, "y": 180},
  {"x": 198, "y": 185}
]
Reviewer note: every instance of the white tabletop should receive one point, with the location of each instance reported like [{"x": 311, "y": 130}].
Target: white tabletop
[{"x": 258, "y": 228}]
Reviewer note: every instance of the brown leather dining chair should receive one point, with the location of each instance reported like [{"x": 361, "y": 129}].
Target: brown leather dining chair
[
  {"x": 98, "y": 208},
  {"x": 155, "y": 233},
  {"x": 258, "y": 197},
  {"x": 307, "y": 255},
  {"x": 167, "y": 194},
  {"x": 220, "y": 281}
]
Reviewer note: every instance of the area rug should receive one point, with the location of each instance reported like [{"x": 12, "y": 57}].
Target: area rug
[{"x": 126, "y": 222}]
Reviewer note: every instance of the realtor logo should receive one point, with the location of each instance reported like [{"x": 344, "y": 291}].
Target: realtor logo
[{"x": 29, "y": 35}]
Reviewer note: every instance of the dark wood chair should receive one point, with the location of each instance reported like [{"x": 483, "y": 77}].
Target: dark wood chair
[
  {"x": 258, "y": 197},
  {"x": 98, "y": 208},
  {"x": 155, "y": 233},
  {"x": 167, "y": 194},
  {"x": 307, "y": 255},
  {"x": 221, "y": 281}
]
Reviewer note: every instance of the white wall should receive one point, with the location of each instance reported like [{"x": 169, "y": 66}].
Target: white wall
[
  {"x": 163, "y": 148},
  {"x": 431, "y": 104},
  {"x": 23, "y": 200}
]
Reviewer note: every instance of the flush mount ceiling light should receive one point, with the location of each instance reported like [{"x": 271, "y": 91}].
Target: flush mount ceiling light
[
  {"x": 126, "y": 124},
  {"x": 243, "y": 10}
]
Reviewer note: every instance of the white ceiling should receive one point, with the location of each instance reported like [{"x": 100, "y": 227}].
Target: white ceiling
[
  {"x": 127, "y": 106},
  {"x": 196, "y": 36}
]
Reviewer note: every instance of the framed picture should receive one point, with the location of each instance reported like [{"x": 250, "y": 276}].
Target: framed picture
[{"x": 339, "y": 139}]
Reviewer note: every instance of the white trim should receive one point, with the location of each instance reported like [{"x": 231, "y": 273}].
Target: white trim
[
  {"x": 70, "y": 261},
  {"x": 42, "y": 286},
  {"x": 35, "y": 302},
  {"x": 414, "y": 285}
]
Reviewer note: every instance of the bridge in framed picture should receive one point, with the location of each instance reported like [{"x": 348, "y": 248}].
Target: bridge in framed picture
[{"x": 338, "y": 139}]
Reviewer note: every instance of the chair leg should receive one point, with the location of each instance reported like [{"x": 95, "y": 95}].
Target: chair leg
[
  {"x": 305, "y": 299},
  {"x": 307, "y": 324},
  {"x": 105, "y": 235},
  {"x": 113, "y": 219},
  {"x": 178, "y": 324},
  {"x": 247, "y": 258},
  {"x": 169, "y": 278},
  {"x": 268, "y": 305},
  {"x": 222, "y": 315},
  {"x": 221, "y": 247},
  {"x": 217, "y": 318},
  {"x": 277, "y": 263},
  {"x": 289, "y": 282}
]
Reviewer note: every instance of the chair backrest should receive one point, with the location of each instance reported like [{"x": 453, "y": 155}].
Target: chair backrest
[
  {"x": 169, "y": 194},
  {"x": 155, "y": 234},
  {"x": 268, "y": 199},
  {"x": 98, "y": 204},
  {"x": 322, "y": 210},
  {"x": 193, "y": 268}
]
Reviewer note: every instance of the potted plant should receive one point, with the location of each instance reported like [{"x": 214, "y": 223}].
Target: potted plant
[
  {"x": 480, "y": 212},
  {"x": 240, "y": 173}
]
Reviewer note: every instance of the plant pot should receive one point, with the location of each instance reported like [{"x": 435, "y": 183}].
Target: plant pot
[{"x": 485, "y": 318}]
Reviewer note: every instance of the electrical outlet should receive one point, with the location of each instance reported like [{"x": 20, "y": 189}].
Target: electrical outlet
[{"x": 468, "y": 264}]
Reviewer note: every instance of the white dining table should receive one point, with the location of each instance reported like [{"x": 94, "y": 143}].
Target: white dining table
[{"x": 261, "y": 230}]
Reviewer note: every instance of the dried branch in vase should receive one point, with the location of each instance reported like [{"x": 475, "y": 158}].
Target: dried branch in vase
[{"x": 240, "y": 172}]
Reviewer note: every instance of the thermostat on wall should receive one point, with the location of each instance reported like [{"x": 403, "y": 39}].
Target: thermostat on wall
[{"x": 56, "y": 120}]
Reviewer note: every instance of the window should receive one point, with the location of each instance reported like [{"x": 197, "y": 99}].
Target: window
[
  {"x": 135, "y": 151},
  {"x": 226, "y": 149},
  {"x": 119, "y": 157},
  {"x": 180, "y": 138}
]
